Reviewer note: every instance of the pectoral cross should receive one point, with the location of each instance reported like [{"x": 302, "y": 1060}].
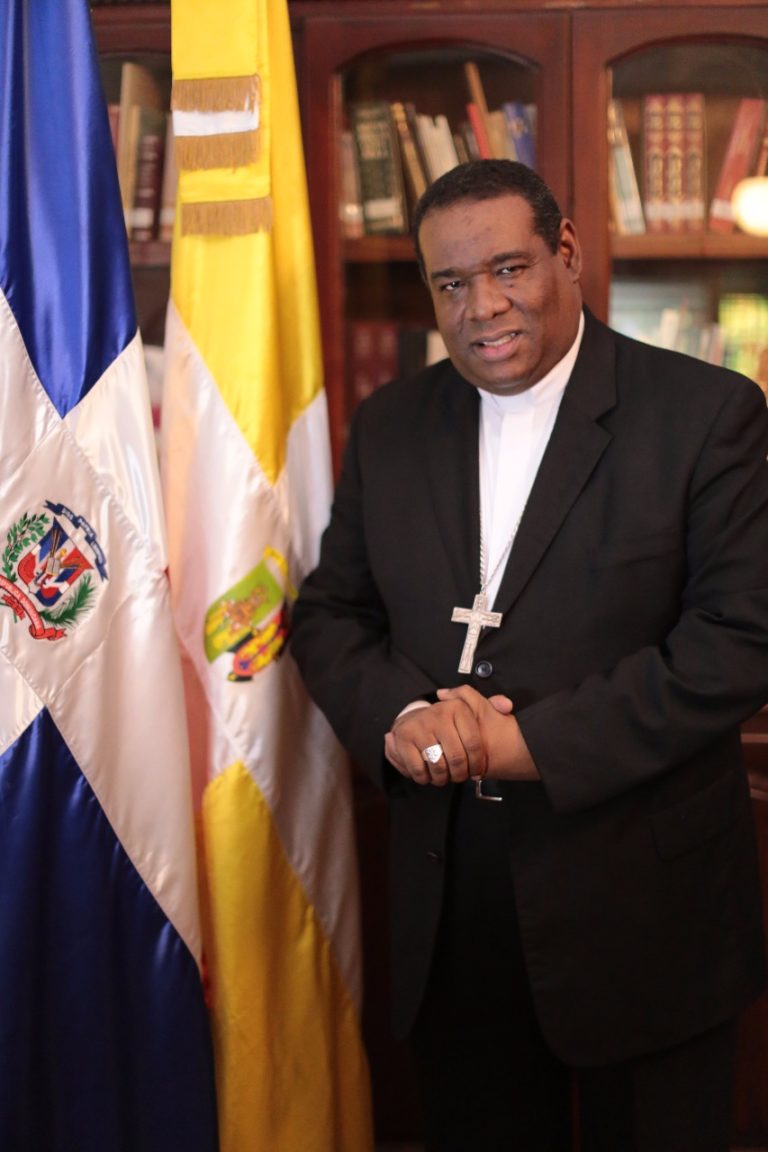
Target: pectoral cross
[{"x": 476, "y": 618}]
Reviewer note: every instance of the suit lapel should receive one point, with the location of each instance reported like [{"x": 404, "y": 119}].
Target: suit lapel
[
  {"x": 451, "y": 450},
  {"x": 575, "y": 446}
]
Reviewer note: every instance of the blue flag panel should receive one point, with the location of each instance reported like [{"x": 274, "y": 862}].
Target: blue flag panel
[
  {"x": 63, "y": 250},
  {"x": 104, "y": 1043}
]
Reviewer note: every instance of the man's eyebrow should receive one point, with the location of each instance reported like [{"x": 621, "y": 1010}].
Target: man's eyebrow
[{"x": 499, "y": 258}]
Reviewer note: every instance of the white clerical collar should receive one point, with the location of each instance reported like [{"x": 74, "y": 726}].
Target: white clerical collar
[{"x": 544, "y": 391}]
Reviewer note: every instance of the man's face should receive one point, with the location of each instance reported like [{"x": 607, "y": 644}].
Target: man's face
[{"x": 506, "y": 306}]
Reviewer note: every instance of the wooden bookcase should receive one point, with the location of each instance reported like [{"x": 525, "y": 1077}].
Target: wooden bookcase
[
  {"x": 577, "y": 55},
  {"x": 569, "y": 58}
]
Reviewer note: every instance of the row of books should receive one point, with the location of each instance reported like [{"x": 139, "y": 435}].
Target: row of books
[
  {"x": 391, "y": 152},
  {"x": 671, "y": 192},
  {"x": 142, "y": 134},
  {"x": 381, "y": 350},
  {"x": 743, "y": 319},
  {"x": 678, "y": 315}
]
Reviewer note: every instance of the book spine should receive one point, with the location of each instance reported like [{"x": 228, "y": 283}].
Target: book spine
[
  {"x": 445, "y": 148},
  {"x": 424, "y": 127},
  {"x": 502, "y": 145},
  {"x": 479, "y": 131},
  {"x": 381, "y": 177},
  {"x": 350, "y": 202},
  {"x": 372, "y": 356},
  {"x": 413, "y": 170},
  {"x": 169, "y": 186},
  {"x": 113, "y": 111},
  {"x": 625, "y": 192},
  {"x": 477, "y": 110},
  {"x": 694, "y": 162},
  {"x": 743, "y": 320},
  {"x": 740, "y": 155},
  {"x": 521, "y": 131},
  {"x": 149, "y": 176},
  {"x": 654, "y": 162},
  {"x": 674, "y": 155}
]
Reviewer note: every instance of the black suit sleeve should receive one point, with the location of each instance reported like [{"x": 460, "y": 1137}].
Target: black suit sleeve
[
  {"x": 340, "y": 635},
  {"x": 662, "y": 705}
]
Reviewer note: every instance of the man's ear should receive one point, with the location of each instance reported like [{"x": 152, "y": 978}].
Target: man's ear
[{"x": 570, "y": 249}]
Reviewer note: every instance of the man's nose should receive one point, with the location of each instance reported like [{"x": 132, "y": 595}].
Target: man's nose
[{"x": 486, "y": 298}]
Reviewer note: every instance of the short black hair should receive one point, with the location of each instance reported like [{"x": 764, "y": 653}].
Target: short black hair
[{"x": 487, "y": 180}]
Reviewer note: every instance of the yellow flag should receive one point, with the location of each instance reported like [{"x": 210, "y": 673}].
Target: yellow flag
[{"x": 247, "y": 480}]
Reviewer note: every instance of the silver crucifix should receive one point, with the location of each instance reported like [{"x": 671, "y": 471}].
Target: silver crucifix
[{"x": 476, "y": 618}]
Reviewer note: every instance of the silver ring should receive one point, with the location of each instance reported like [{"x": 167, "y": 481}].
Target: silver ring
[{"x": 433, "y": 753}]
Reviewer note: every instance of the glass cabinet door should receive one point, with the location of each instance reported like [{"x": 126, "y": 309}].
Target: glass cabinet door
[
  {"x": 390, "y": 105},
  {"x": 683, "y": 101}
]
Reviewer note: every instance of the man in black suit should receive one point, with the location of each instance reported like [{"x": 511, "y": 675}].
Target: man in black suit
[{"x": 539, "y": 618}]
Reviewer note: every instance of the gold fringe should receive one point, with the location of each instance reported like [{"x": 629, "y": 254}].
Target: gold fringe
[
  {"x": 226, "y": 217},
  {"x": 216, "y": 94},
  {"x": 227, "y": 150}
]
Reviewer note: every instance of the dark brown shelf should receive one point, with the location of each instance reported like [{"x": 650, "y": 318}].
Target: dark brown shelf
[
  {"x": 689, "y": 246},
  {"x": 379, "y": 249},
  {"x": 150, "y": 253},
  {"x": 131, "y": 28},
  {"x": 655, "y": 246}
]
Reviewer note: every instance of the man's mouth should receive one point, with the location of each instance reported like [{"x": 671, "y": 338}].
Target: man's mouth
[{"x": 491, "y": 347}]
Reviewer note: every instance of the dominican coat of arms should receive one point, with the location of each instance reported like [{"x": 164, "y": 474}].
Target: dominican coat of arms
[
  {"x": 251, "y": 619},
  {"x": 52, "y": 565}
]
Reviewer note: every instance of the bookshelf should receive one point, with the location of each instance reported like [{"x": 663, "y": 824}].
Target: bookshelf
[
  {"x": 570, "y": 58},
  {"x": 718, "y": 51}
]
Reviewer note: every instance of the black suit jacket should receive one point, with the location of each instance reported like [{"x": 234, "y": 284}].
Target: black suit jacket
[{"x": 634, "y": 642}]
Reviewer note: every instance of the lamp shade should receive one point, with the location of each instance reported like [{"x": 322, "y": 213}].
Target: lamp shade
[{"x": 750, "y": 205}]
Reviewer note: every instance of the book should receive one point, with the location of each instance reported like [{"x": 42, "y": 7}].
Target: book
[
  {"x": 738, "y": 162},
  {"x": 414, "y": 171},
  {"x": 479, "y": 132},
  {"x": 467, "y": 133},
  {"x": 694, "y": 162},
  {"x": 521, "y": 130},
  {"x": 351, "y": 198},
  {"x": 150, "y": 149},
  {"x": 502, "y": 144},
  {"x": 437, "y": 144},
  {"x": 477, "y": 110},
  {"x": 445, "y": 149},
  {"x": 743, "y": 320},
  {"x": 372, "y": 356},
  {"x": 424, "y": 131},
  {"x": 382, "y": 185},
  {"x": 460, "y": 144},
  {"x": 113, "y": 112},
  {"x": 674, "y": 156},
  {"x": 624, "y": 190},
  {"x": 169, "y": 186},
  {"x": 139, "y": 88},
  {"x": 654, "y": 180}
]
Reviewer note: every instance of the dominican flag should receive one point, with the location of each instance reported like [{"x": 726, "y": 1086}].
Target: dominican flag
[{"x": 104, "y": 1037}]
